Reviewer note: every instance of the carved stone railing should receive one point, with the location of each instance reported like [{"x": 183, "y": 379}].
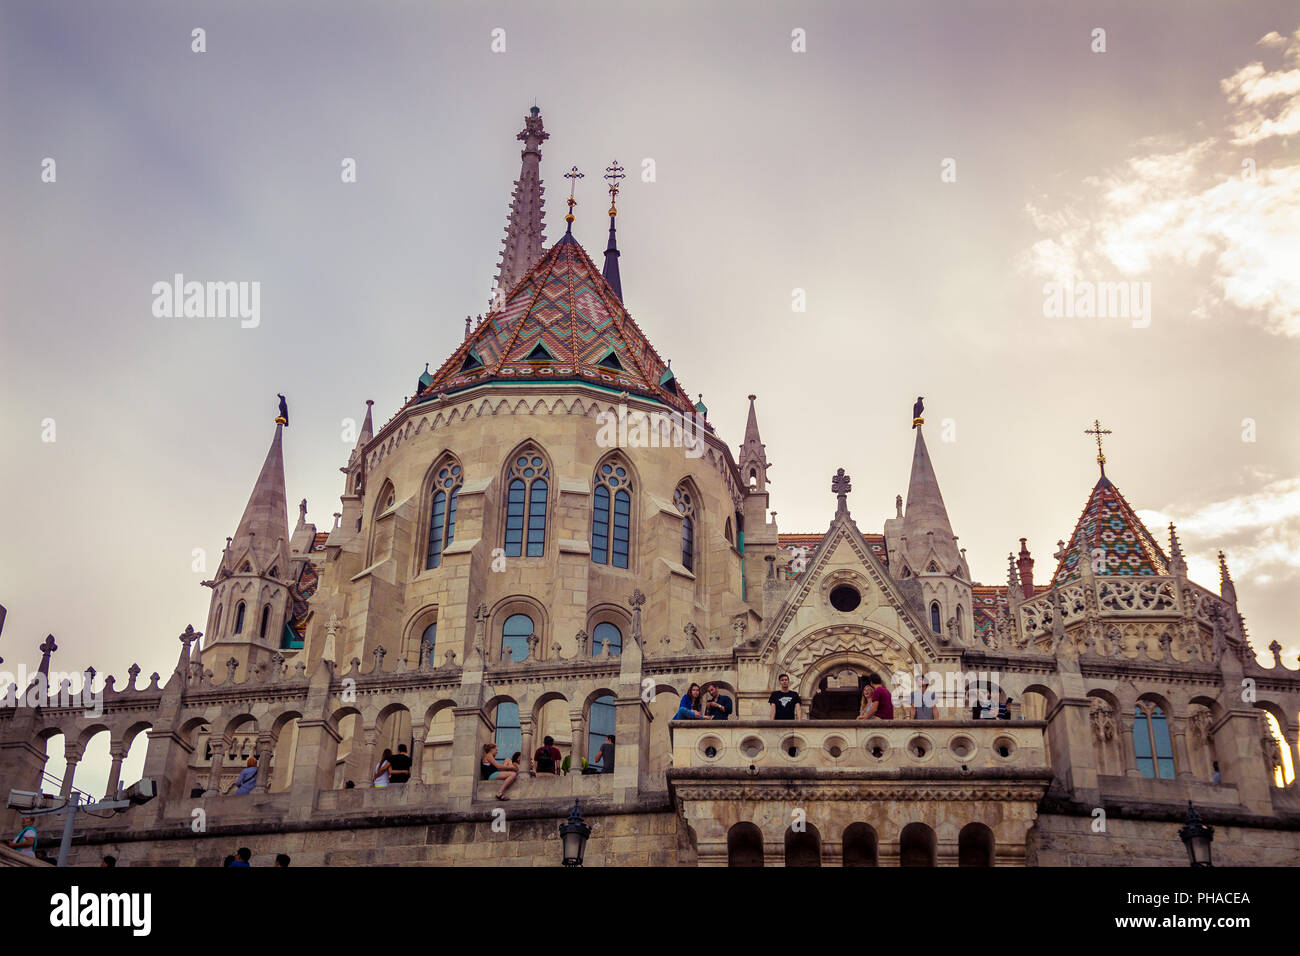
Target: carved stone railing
[
  {"x": 849, "y": 745},
  {"x": 1114, "y": 596}
]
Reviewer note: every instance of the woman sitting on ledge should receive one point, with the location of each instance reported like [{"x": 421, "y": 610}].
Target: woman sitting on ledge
[
  {"x": 491, "y": 769},
  {"x": 877, "y": 701},
  {"x": 691, "y": 707},
  {"x": 247, "y": 778}
]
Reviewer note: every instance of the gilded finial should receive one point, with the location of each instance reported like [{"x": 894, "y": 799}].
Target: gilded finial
[
  {"x": 572, "y": 176},
  {"x": 614, "y": 173},
  {"x": 1097, "y": 431}
]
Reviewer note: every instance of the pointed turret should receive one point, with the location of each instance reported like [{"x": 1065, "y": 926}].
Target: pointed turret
[
  {"x": 1110, "y": 533},
  {"x": 614, "y": 173},
  {"x": 525, "y": 228},
  {"x": 1227, "y": 590},
  {"x": 1025, "y": 570},
  {"x": 753, "y": 457},
  {"x": 262, "y": 537},
  {"x": 931, "y": 546},
  {"x": 1177, "y": 564}
]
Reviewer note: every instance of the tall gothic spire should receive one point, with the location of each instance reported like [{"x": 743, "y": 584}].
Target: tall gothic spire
[
  {"x": 525, "y": 227},
  {"x": 753, "y": 454},
  {"x": 925, "y": 522},
  {"x": 263, "y": 532}
]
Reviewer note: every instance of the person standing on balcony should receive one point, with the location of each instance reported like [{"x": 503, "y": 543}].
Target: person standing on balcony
[
  {"x": 383, "y": 768},
  {"x": 784, "y": 703}
]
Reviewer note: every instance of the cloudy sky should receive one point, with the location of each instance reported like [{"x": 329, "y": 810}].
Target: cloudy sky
[{"x": 922, "y": 172}]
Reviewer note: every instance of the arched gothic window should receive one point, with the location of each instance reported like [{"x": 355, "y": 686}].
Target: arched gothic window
[
  {"x": 960, "y": 631},
  {"x": 509, "y": 736},
  {"x": 605, "y": 631},
  {"x": 684, "y": 499},
  {"x": 430, "y": 640},
  {"x": 1151, "y": 742},
  {"x": 611, "y": 514},
  {"x": 442, "y": 511},
  {"x": 934, "y": 617},
  {"x": 216, "y": 623},
  {"x": 526, "y": 490},
  {"x": 239, "y": 618},
  {"x": 266, "y": 619},
  {"x": 514, "y": 635},
  {"x": 600, "y": 723}
]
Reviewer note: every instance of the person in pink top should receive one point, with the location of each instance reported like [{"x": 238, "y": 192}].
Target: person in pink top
[{"x": 877, "y": 701}]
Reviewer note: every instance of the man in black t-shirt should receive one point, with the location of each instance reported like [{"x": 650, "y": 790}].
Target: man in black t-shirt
[
  {"x": 784, "y": 702},
  {"x": 399, "y": 766},
  {"x": 716, "y": 707}
]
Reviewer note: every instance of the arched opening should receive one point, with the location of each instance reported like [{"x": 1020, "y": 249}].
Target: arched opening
[
  {"x": 744, "y": 845},
  {"x": 860, "y": 845},
  {"x": 803, "y": 848},
  {"x": 606, "y": 633},
  {"x": 934, "y": 617},
  {"x": 266, "y": 619},
  {"x": 975, "y": 845},
  {"x": 917, "y": 846},
  {"x": 601, "y": 721},
  {"x": 239, "y": 618},
  {"x": 1152, "y": 744},
  {"x": 439, "y": 736},
  {"x": 839, "y": 694}
]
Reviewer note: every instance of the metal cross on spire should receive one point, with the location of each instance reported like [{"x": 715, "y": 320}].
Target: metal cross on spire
[
  {"x": 614, "y": 173},
  {"x": 1097, "y": 431},
  {"x": 572, "y": 176}
]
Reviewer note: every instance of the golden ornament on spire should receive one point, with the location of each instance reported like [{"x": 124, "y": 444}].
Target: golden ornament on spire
[
  {"x": 614, "y": 172},
  {"x": 572, "y": 176},
  {"x": 1097, "y": 431}
]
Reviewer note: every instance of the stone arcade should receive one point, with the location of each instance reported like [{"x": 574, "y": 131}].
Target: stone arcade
[{"x": 495, "y": 574}]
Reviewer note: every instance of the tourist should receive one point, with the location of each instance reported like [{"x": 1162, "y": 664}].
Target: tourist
[
  {"x": 877, "y": 701},
  {"x": 242, "y": 856},
  {"x": 25, "y": 841},
  {"x": 547, "y": 759},
  {"x": 492, "y": 769},
  {"x": 691, "y": 707},
  {"x": 247, "y": 779},
  {"x": 108, "y": 861},
  {"x": 382, "y": 769},
  {"x": 1217, "y": 777},
  {"x": 350, "y": 785},
  {"x": 282, "y": 860},
  {"x": 716, "y": 707},
  {"x": 784, "y": 702},
  {"x": 1004, "y": 708},
  {"x": 399, "y": 766},
  {"x": 604, "y": 760},
  {"x": 229, "y": 861},
  {"x": 922, "y": 701}
]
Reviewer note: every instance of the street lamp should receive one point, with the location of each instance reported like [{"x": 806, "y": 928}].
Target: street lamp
[
  {"x": 573, "y": 836},
  {"x": 1197, "y": 837}
]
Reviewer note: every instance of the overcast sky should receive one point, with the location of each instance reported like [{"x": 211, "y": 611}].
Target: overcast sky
[{"x": 1167, "y": 159}]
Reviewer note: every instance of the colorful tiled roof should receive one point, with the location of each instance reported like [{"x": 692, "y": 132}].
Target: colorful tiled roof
[
  {"x": 988, "y": 601},
  {"x": 1109, "y": 523},
  {"x": 876, "y": 542},
  {"x": 561, "y": 322},
  {"x": 318, "y": 543}
]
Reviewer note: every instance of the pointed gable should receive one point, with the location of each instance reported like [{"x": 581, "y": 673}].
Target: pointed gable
[
  {"x": 563, "y": 308},
  {"x": 1109, "y": 523},
  {"x": 263, "y": 533}
]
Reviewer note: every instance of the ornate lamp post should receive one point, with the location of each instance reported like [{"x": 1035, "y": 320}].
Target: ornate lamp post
[
  {"x": 573, "y": 837},
  {"x": 1197, "y": 837}
]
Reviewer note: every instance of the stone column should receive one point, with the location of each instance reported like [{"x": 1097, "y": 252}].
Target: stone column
[
  {"x": 526, "y": 743},
  {"x": 72, "y": 753},
  {"x": 578, "y": 749},
  {"x": 469, "y": 733},
  {"x": 418, "y": 733},
  {"x": 370, "y": 754},
  {"x": 118, "y": 754},
  {"x": 1183, "y": 763},
  {"x": 219, "y": 746},
  {"x": 1126, "y": 740},
  {"x": 265, "y": 751},
  {"x": 313, "y": 764}
]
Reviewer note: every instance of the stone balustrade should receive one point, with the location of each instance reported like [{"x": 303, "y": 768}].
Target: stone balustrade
[{"x": 851, "y": 745}]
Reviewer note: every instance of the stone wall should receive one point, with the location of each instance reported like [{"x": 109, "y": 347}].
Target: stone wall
[{"x": 1058, "y": 840}]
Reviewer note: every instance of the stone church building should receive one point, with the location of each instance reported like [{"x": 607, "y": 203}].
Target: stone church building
[{"x": 549, "y": 538}]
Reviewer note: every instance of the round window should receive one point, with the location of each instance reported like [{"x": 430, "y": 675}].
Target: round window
[{"x": 845, "y": 597}]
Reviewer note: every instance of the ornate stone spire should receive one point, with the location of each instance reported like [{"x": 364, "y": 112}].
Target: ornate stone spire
[
  {"x": 263, "y": 532},
  {"x": 525, "y": 229},
  {"x": 1025, "y": 569},
  {"x": 1227, "y": 590},
  {"x": 1177, "y": 565},
  {"x": 753, "y": 458},
  {"x": 614, "y": 173},
  {"x": 925, "y": 521}
]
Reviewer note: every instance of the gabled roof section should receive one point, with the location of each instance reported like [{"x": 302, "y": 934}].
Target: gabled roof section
[
  {"x": 1109, "y": 523},
  {"x": 567, "y": 308},
  {"x": 876, "y": 542}
]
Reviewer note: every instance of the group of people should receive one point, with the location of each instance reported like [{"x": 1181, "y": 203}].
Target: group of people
[
  {"x": 707, "y": 704},
  {"x": 547, "y": 760}
]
